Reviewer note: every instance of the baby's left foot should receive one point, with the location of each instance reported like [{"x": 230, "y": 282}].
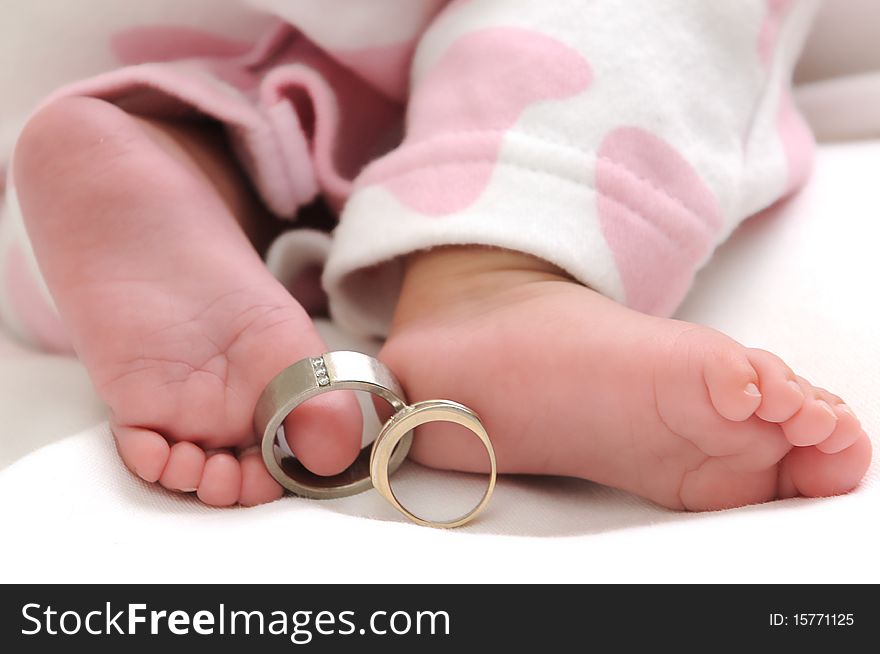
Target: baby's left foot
[{"x": 569, "y": 382}]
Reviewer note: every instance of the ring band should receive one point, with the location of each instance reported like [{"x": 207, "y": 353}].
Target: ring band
[
  {"x": 308, "y": 378},
  {"x": 400, "y": 426}
]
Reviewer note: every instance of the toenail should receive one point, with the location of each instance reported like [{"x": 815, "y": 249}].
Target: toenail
[
  {"x": 188, "y": 490},
  {"x": 827, "y": 408},
  {"x": 796, "y": 387},
  {"x": 141, "y": 474},
  {"x": 752, "y": 390}
]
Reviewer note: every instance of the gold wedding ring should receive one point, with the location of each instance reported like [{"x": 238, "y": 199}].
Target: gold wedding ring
[
  {"x": 344, "y": 370},
  {"x": 401, "y": 424}
]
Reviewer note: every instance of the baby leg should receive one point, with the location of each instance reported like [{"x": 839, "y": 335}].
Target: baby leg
[{"x": 143, "y": 232}]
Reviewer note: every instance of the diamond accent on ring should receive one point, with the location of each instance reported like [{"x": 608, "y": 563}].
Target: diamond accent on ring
[{"x": 320, "y": 371}]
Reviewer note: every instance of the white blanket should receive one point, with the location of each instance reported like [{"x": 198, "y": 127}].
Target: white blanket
[{"x": 801, "y": 281}]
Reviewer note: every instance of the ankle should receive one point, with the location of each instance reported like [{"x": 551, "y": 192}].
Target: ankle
[{"x": 447, "y": 279}]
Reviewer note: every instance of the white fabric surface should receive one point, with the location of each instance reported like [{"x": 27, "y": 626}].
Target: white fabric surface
[{"x": 800, "y": 281}]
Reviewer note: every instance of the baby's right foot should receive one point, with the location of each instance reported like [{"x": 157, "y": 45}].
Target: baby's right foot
[
  {"x": 181, "y": 326},
  {"x": 569, "y": 382}
]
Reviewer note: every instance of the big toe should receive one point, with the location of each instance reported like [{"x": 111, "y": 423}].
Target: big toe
[
  {"x": 815, "y": 474},
  {"x": 325, "y": 432}
]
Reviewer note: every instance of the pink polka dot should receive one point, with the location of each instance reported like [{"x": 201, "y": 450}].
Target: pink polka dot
[
  {"x": 658, "y": 217},
  {"x": 476, "y": 92},
  {"x": 36, "y": 316}
]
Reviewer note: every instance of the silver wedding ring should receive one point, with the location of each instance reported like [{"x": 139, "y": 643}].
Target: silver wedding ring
[{"x": 301, "y": 382}]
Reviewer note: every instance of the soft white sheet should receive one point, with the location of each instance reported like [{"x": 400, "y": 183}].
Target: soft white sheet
[{"x": 801, "y": 281}]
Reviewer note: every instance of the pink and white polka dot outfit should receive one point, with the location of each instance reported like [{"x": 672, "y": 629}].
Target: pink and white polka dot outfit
[{"x": 621, "y": 141}]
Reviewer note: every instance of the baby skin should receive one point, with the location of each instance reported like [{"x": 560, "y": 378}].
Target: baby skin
[
  {"x": 571, "y": 383},
  {"x": 148, "y": 239}
]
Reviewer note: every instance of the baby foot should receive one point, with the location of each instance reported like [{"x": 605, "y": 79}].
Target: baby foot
[
  {"x": 137, "y": 231},
  {"x": 569, "y": 382}
]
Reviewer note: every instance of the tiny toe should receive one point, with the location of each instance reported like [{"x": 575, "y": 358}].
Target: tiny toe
[
  {"x": 782, "y": 395},
  {"x": 325, "y": 432},
  {"x": 811, "y": 425},
  {"x": 847, "y": 431},
  {"x": 221, "y": 480},
  {"x": 183, "y": 472},
  {"x": 257, "y": 485},
  {"x": 143, "y": 451},
  {"x": 732, "y": 384}
]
